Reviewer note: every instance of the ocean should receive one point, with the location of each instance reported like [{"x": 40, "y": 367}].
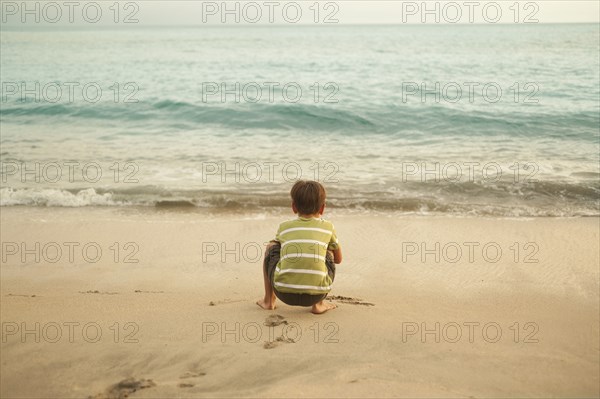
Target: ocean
[{"x": 484, "y": 120}]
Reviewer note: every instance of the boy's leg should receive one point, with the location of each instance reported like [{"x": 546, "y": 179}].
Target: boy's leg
[
  {"x": 330, "y": 265},
  {"x": 271, "y": 259},
  {"x": 322, "y": 306}
]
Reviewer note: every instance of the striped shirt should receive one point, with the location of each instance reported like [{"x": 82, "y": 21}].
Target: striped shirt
[{"x": 304, "y": 244}]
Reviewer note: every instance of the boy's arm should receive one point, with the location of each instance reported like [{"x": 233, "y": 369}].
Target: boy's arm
[
  {"x": 334, "y": 246},
  {"x": 337, "y": 256}
]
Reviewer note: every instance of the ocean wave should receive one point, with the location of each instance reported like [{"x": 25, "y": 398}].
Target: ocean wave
[
  {"x": 539, "y": 199},
  {"x": 57, "y": 198},
  {"x": 182, "y": 114},
  {"x": 385, "y": 118}
]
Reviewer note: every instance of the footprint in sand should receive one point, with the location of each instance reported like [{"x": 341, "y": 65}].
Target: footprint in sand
[
  {"x": 278, "y": 341},
  {"x": 148, "y": 292},
  {"x": 224, "y": 302},
  {"x": 192, "y": 374},
  {"x": 185, "y": 385},
  {"x": 275, "y": 320},
  {"x": 349, "y": 300},
  {"x": 98, "y": 292},
  {"x": 123, "y": 389}
]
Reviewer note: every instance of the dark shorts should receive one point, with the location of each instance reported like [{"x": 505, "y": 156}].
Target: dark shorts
[{"x": 272, "y": 256}]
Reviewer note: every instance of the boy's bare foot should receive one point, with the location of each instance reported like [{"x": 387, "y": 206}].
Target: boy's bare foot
[
  {"x": 322, "y": 307},
  {"x": 268, "y": 305}
]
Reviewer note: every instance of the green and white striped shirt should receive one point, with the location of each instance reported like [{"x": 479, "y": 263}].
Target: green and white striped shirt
[{"x": 304, "y": 244}]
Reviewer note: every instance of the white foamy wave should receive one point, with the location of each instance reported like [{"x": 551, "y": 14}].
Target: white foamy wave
[{"x": 54, "y": 197}]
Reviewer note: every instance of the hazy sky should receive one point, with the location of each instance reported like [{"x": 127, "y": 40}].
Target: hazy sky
[{"x": 267, "y": 12}]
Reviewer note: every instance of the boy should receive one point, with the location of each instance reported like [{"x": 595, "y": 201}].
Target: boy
[{"x": 299, "y": 264}]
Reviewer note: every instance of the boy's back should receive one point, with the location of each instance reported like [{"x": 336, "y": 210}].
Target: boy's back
[{"x": 304, "y": 245}]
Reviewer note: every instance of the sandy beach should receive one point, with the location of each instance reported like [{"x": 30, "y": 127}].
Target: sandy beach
[{"x": 428, "y": 306}]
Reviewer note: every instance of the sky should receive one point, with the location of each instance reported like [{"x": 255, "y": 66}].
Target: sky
[{"x": 300, "y": 12}]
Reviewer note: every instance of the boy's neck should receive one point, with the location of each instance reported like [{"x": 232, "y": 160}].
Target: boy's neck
[{"x": 313, "y": 216}]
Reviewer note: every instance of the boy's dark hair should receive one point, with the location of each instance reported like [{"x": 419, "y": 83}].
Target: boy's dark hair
[{"x": 308, "y": 196}]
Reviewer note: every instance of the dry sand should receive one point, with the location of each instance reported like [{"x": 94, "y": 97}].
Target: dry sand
[{"x": 177, "y": 325}]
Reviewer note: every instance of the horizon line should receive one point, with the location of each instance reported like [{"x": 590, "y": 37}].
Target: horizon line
[{"x": 245, "y": 25}]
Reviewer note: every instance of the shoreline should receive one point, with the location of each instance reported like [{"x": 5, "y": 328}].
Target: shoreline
[{"x": 281, "y": 212}]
